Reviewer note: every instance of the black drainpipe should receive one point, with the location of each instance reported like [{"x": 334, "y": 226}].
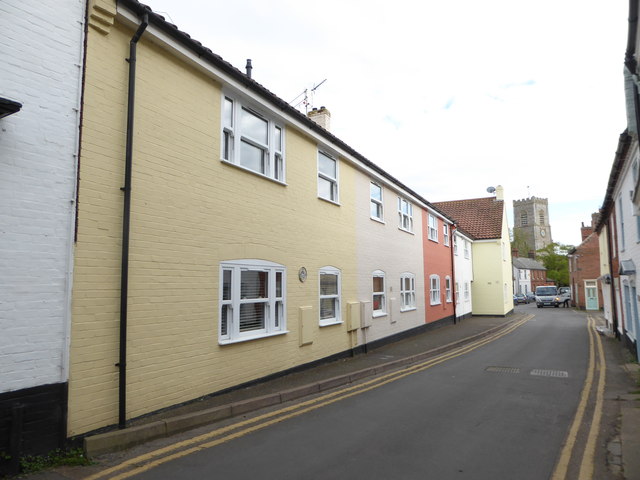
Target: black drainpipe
[
  {"x": 126, "y": 215},
  {"x": 612, "y": 292}
]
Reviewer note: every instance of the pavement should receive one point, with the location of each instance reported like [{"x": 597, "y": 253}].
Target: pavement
[{"x": 343, "y": 372}]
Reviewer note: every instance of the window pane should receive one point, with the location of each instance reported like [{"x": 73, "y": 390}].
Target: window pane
[
  {"x": 278, "y": 284},
  {"x": 378, "y": 302},
  {"x": 325, "y": 188},
  {"x": 327, "y": 308},
  {"x": 376, "y": 192},
  {"x": 279, "y": 313},
  {"x": 224, "y": 320},
  {"x": 253, "y": 284},
  {"x": 327, "y": 165},
  {"x": 252, "y": 157},
  {"x": 328, "y": 284},
  {"x": 376, "y": 210},
  {"x": 226, "y": 285},
  {"x": 278, "y": 144},
  {"x": 378, "y": 284},
  {"x": 252, "y": 316},
  {"x": 228, "y": 113},
  {"x": 228, "y": 146},
  {"x": 253, "y": 126}
]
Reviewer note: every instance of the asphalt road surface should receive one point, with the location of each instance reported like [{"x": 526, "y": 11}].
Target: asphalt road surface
[{"x": 505, "y": 408}]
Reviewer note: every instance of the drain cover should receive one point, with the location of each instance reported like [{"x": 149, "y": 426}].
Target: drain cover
[
  {"x": 549, "y": 373},
  {"x": 503, "y": 369}
]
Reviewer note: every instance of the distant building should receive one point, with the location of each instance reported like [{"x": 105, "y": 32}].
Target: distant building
[
  {"x": 531, "y": 229},
  {"x": 527, "y": 275},
  {"x": 584, "y": 269}
]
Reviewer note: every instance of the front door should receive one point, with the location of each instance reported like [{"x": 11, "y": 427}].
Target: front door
[{"x": 591, "y": 295}]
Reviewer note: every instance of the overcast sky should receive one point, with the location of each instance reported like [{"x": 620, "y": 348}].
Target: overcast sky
[{"x": 450, "y": 97}]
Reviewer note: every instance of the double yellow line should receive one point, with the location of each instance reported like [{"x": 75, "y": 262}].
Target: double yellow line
[
  {"x": 145, "y": 462},
  {"x": 596, "y": 352}
]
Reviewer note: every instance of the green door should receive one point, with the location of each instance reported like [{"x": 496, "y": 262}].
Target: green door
[{"x": 591, "y": 295}]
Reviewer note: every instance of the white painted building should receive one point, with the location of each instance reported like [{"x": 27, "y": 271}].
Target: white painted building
[
  {"x": 41, "y": 53},
  {"x": 463, "y": 273}
]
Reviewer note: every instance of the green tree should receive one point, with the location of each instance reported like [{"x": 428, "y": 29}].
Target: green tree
[
  {"x": 555, "y": 260},
  {"x": 520, "y": 243}
]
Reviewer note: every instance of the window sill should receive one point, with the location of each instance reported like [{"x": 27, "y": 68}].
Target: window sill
[
  {"x": 405, "y": 230},
  {"x": 379, "y": 314},
  {"x": 329, "y": 323},
  {"x": 379, "y": 220},
  {"x": 435, "y": 304},
  {"x": 434, "y": 241},
  {"x": 253, "y": 172},
  {"x": 412, "y": 309},
  {"x": 252, "y": 337},
  {"x": 329, "y": 200}
]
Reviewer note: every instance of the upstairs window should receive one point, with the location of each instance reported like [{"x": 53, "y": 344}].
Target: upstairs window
[
  {"x": 252, "y": 140},
  {"x": 445, "y": 234},
  {"x": 467, "y": 249},
  {"x": 252, "y": 300},
  {"x": 327, "y": 177},
  {"x": 433, "y": 228},
  {"x": 455, "y": 244},
  {"x": 376, "y": 202},
  {"x": 405, "y": 215}
]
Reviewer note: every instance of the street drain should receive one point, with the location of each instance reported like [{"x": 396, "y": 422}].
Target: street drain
[
  {"x": 549, "y": 373},
  {"x": 503, "y": 369}
]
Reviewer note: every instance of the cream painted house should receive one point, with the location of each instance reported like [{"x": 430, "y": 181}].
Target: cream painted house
[
  {"x": 244, "y": 231},
  {"x": 485, "y": 219}
]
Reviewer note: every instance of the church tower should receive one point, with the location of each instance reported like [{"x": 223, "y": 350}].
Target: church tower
[{"x": 531, "y": 229}]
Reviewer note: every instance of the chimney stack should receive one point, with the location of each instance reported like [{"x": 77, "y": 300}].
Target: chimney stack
[
  {"x": 499, "y": 193},
  {"x": 321, "y": 116}
]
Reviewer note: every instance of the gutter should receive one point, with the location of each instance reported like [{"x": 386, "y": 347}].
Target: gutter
[{"x": 126, "y": 217}]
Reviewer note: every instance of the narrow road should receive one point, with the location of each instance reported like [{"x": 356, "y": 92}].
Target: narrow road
[{"x": 519, "y": 406}]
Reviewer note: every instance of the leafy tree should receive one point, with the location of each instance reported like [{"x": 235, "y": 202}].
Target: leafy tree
[
  {"x": 555, "y": 260},
  {"x": 519, "y": 243}
]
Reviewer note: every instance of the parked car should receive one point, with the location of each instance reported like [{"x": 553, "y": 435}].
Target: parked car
[
  {"x": 531, "y": 296},
  {"x": 520, "y": 298}
]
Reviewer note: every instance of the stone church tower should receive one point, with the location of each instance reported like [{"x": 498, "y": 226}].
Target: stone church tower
[{"x": 531, "y": 229}]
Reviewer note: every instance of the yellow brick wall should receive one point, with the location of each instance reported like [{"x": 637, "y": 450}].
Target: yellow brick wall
[{"x": 190, "y": 211}]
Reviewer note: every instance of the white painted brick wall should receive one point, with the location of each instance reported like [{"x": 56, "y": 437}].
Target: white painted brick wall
[{"x": 40, "y": 53}]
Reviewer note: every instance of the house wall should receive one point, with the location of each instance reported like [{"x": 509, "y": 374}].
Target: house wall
[
  {"x": 41, "y": 51},
  {"x": 437, "y": 261},
  {"x": 463, "y": 276},
  {"x": 585, "y": 266},
  {"x": 383, "y": 246},
  {"x": 493, "y": 287},
  {"x": 190, "y": 211}
]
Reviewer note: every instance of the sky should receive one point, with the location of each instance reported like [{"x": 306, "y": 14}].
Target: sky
[{"x": 448, "y": 97}]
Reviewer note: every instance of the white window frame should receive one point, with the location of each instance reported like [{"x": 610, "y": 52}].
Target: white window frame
[
  {"x": 467, "y": 249},
  {"x": 432, "y": 228},
  {"x": 334, "y": 195},
  {"x": 336, "y": 297},
  {"x": 466, "y": 291},
  {"x": 233, "y": 137},
  {"x": 407, "y": 295},
  {"x": 434, "y": 290},
  {"x": 275, "y": 322},
  {"x": 447, "y": 288},
  {"x": 455, "y": 244},
  {"x": 445, "y": 234},
  {"x": 375, "y": 203},
  {"x": 405, "y": 215},
  {"x": 457, "y": 287},
  {"x": 382, "y": 294}
]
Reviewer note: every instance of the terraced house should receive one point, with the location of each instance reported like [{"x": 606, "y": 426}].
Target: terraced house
[{"x": 223, "y": 236}]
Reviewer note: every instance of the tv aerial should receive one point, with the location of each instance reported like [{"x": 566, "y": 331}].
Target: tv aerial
[{"x": 304, "y": 97}]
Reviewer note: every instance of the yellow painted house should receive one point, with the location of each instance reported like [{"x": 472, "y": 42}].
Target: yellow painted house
[
  {"x": 485, "y": 220},
  {"x": 216, "y": 234}
]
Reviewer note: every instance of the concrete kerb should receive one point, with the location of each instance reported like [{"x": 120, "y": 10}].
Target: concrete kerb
[{"x": 129, "y": 437}]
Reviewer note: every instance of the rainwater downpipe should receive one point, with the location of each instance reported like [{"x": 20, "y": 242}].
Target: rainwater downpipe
[{"x": 126, "y": 216}]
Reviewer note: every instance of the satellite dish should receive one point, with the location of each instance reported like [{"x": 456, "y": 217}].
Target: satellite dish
[{"x": 491, "y": 189}]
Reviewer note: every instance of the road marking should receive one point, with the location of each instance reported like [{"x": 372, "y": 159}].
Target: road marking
[
  {"x": 245, "y": 427},
  {"x": 586, "y": 465},
  {"x": 549, "y": 373}
]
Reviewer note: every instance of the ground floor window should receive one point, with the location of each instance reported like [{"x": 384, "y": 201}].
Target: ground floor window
[
  {"x": 379, "y": 295},
  {"x": 252, "y": 300},
  {"x": 329, "y": 296},
  {"x": 434, "y": 290},
  {"x": 408, "y": 291}
]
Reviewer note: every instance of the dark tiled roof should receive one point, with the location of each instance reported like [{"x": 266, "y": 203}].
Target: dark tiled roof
[
  {"x": 527, "y": 263},
  {"x": 480, "y": 217},
  {"x": 216, "y": 60}
]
